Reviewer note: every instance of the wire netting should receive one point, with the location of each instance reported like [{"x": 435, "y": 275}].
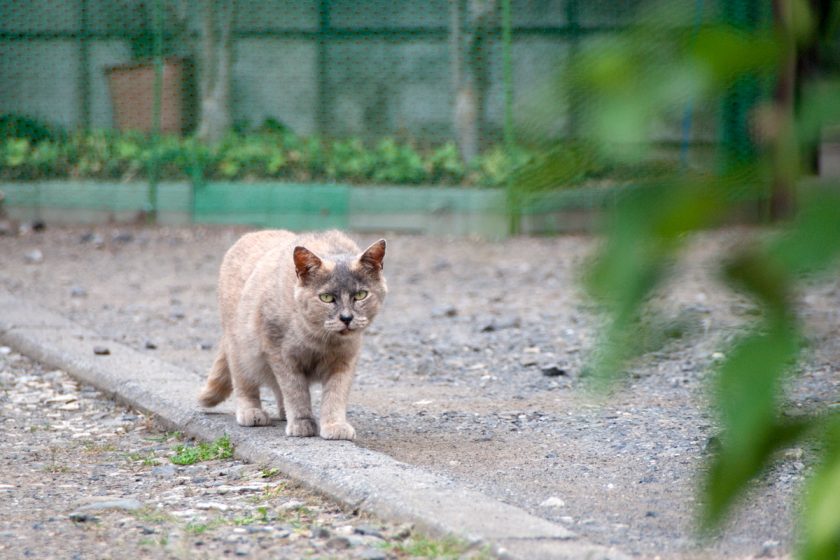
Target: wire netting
[{"x": 355, "y": 86}]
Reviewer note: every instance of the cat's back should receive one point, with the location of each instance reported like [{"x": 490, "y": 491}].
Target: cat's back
[{"x": 241, "y": 260}]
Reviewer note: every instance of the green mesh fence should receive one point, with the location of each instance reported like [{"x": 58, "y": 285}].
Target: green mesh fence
[{"x": 389, "y": 92}]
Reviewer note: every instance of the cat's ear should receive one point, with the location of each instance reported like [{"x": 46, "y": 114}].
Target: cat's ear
[
  {"x": 371, "y": 259},
  {"x": 306, "y": 262}
]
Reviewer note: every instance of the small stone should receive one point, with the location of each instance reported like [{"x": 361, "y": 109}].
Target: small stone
[
  {"x": 444, "y": 311},
  {"x": 34, "y": 256},
  {"x": 769, "y": 549},
  {"x": 101, "y": 350},
  {"x": 368, "y": 530},
  {"x": 553, "y": 371},
  {"x": 373, "y": 554},
  {"x": 78, "y": 292},
  {"x": 338, "y": 543},
  {"x": 125, "y": 504},
  {"x": 7, "y": 228},
  {"x": 81, "y": 517},
  {"x": 320, "y": 533},
  {"x": 292, "y": 504},
  {"x": 122, "y": 237},
  {"x": 242, "y": 550},
  {"x": 795, "y": 453},
  {"x": 150, "y": 345},
  {"x": 5, "y": 350},
  {"x": 553, "y": 502},
  {"x": 164, "y": 471},
  {"x": 403, "y": 531},
  {"x": 218, "y": 506},
  {"x": 205, "y": 345}
]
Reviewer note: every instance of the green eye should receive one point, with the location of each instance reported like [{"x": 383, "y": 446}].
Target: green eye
[
  {"x": 360, "y": 295},
  {"x": 327, "y": 298}
]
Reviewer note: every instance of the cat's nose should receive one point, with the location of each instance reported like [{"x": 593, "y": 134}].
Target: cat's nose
[{"x": 345, "y": 318}]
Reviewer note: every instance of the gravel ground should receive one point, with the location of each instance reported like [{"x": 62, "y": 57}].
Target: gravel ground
[
  {"x": 79, "y": 470},
  {"x": 475, "y": 369}
]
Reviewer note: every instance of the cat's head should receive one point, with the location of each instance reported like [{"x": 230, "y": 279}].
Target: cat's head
[{"x": 340, "y": 294}]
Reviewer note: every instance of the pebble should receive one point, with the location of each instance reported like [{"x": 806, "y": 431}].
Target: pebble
[
  {"x": 126, "y": 504},
  {"x": 164, "y": 471},
  {"x": 553, "y": 502},
  {"x": 101, "y": 350},
  {"x": 34, "y": 256},
  {"x": 553, "y": 371},
  {"x": 78, "y": 292},
  {"x": 444, "y": 311},
  {"x": 373, "y": 554},
  {"x": 338, "y": 543},
  {"x": 150, "y": 345}
]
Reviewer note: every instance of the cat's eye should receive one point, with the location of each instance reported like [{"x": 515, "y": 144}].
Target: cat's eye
[
  {"x": 360, "y": 295},
  {"x": 327, "y": 298}
]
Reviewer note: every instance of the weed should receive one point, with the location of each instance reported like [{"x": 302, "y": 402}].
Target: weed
[
  {"x": 195, "y": 528},
  {"x": 147, "y": 459},
  {"x": 222, "y": 448},
  {"x": 150, "y": 515},
  {"x": 424, "y": 547},
  {"x": 269, "y": 472}
]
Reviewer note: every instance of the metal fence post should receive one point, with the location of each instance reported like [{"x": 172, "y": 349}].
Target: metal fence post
[{"x": 154, "y": 167}]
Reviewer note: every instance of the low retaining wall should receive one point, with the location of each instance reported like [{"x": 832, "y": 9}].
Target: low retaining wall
[{"x": 422, "y": 210}]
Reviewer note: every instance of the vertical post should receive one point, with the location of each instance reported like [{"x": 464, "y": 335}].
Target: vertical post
[
  {"x": 154, "y": 166},
  {"x": 573, "y": 24},
  {"x": 688, "y": 113},
  {"x": 785, "y": 152},
  {"x": 84, "y": 64},
  {"x": 514, "y": 206},
  {"x": 322, "y": 94},
  {"x": 737, "y": 147}
]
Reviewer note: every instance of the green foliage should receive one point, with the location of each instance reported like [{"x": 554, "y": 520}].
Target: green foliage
[
  {"x": 632, "y": 83},
  {"x": 222, "y": 448},
  {"x": 273, "y": 152}
]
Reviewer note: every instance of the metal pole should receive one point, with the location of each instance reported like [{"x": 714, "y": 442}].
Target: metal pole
[
  {"x": 154, "y": 170},
  {"x": 507, "y": 66},
  {"x": 84, "y": 61}
]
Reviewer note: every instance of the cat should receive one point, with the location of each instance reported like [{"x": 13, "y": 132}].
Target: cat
[{"x": 293, "y": 311}]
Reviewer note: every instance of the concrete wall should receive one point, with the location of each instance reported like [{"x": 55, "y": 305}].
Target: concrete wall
[{"x": 376, "y": 85}]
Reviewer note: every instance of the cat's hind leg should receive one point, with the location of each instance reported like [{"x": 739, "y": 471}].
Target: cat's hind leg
[{"x": 249, "y": 410}]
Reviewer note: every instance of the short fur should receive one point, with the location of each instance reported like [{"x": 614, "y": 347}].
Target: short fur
[{"x": 277, "y": 331}]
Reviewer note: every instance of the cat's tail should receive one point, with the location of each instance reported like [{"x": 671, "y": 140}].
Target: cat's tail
[{"x": 219, "y": 385}]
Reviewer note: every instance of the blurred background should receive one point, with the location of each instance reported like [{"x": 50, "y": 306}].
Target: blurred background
[{"x": 458, "y": 93}]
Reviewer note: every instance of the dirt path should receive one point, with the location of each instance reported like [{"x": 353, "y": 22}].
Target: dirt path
[{"x": 453, "y": 375}]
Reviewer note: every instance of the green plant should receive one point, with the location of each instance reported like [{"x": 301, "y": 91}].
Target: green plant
[
  {"x": 222, "y": 448},
  {"x": 349, "y": 160},
  {"x": 630, "y": 85},
  {"x": 395, "y": 163},
  {"x": 444, "y": 165},
  {"x": 424, "y": 547}
]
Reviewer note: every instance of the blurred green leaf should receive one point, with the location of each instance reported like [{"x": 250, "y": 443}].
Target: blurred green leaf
[{"x": 820, "y": 523}]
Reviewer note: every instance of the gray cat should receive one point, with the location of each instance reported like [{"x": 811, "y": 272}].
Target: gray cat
[{"x": 293, "y": 310}]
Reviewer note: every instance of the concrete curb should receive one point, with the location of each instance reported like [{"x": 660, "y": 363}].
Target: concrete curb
[{"x": 352, "y": 475}]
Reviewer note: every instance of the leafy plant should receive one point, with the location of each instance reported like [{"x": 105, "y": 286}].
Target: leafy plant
[
  {"x": 395, "y": 163},
  {"x": 631, "y": 82},
  {"x": 222, "y": 448}
]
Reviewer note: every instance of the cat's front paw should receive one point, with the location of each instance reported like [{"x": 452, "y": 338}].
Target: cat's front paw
[
  {"x": 252, "y": 417},
  {"x": 302, "y": 427},
  {"x": 338, "y": 430}
]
